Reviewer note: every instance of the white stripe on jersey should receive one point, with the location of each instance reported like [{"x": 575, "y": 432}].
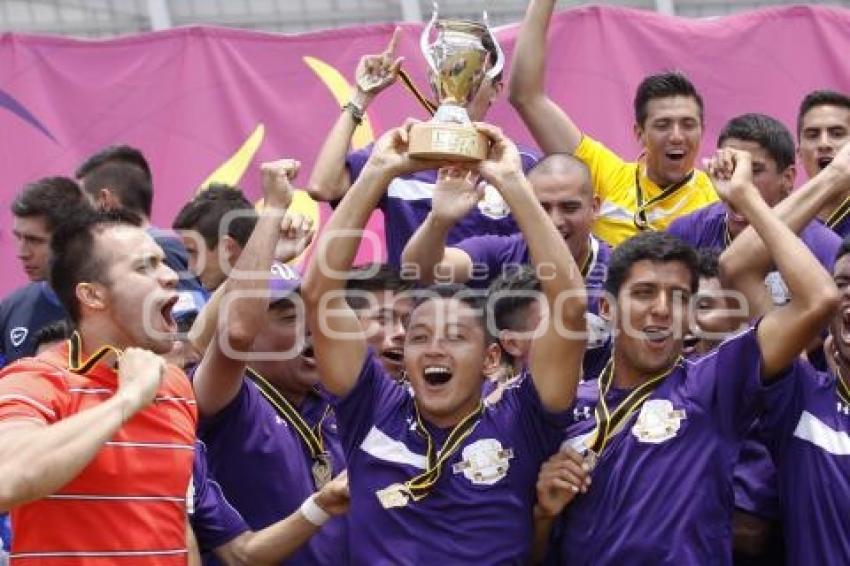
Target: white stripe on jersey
[
  {"x": 380, "y": 446},
  {"x": 813, "y": 430}
]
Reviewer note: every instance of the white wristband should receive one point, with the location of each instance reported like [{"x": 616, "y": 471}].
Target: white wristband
[{"x": 313, "y": 513}]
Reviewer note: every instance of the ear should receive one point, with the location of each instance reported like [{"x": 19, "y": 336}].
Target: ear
[
  {"x": 495, "y": 90},
  {"x": 510, "y": 344},
  {"x": 91, "y": 296},
  {"x": 789, "y": 176},
  {"x": 638, "y": 130},
  {"x": 232, "y": 249},
  {"x": 606, "y": 308},
  {"x": 492, "y": 358},
  {"x": 107, "y": 200},
  {"x": 595, "y": 205}
]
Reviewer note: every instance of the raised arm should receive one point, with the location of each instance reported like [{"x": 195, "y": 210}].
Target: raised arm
[
  {"x": 554, "y": 131},
  {"x": 784, "y": 332},
  {"x": 36, "y": 460},
  {"x": 337, "y": 339},
  {"x": 330, "y": 179},
  {"x": 219, "y": 375},
  {"x": 746, "y": 268},
  {"x": 454, "y": 196},
  {"x": 556, "y": 355}
]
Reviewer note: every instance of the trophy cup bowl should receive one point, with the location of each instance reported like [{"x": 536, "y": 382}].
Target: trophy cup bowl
[{"x": 457, "y": 60}]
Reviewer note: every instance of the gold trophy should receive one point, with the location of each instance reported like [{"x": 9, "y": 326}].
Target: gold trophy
[{"x": 457, "y": 59}]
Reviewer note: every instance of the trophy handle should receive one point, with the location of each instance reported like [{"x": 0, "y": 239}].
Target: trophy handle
[
  {"x": 426, "y": 35},
  {"x": 500, "y": 55}
]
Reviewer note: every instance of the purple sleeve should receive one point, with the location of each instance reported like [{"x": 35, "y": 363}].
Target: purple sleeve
[
  {"x": 539, "y": 428},
  {"x": 214, "y": 521},
  {"x": 356, "y": 160},
  {"x": 731, "y": 376},
  {"x": 784, "y": 402},
  {"x": 374, "y": 394},
  {"x": 680, "y": 228},
  {"x": 529, "y": 156},
  {"x": 490, "y": 254}
]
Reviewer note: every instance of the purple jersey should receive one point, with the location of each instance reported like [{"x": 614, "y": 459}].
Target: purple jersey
[
  {"x": 264, "y": 467},
  {"x": 706, "y": 229},
  {"x": 214, "y": 521},
  {"x": 755, "y": 478},
  {"x": 408, "y": 202},
  {"x": 480, "y": 509},
  {"x": 807, "y": 428},
  {"x": 662, "y": 488}
]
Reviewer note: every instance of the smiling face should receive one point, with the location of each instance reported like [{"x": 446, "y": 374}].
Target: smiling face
[
  {"x": 382, "y": 320},
  {"x": 446, "y": 355},
  {"x": 138, "y": 292},
  {"x": 671, "y": 136},
  {"x": 567, "y": 198},
  {"x": 650, "y": 316},
  {"x": 285, "y": 332},
  {"x": 823, "y": 131}
]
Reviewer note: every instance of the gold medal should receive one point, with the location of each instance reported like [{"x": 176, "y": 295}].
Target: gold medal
[
  {"x": 393, "y": 496},
  {"x": 321, "y": 469},
  {"x": 590, "y": 458}
]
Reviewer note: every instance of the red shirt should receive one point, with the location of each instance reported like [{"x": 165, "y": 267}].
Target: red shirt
[{"x": 128, "y": 506}]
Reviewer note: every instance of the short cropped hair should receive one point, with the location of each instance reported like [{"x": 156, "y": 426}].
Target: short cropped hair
[
  {"x": 769, "y": 133},
  {"x": 206, "y": 211},
  {"x": 664, "y": 85},
  {"x": 652, "y": 246}
]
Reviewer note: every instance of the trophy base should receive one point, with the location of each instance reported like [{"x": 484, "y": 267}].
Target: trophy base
[{"x": 445, "y": 141}]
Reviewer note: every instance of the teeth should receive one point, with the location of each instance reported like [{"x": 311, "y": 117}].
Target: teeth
[{"x": 436, "y": 371}]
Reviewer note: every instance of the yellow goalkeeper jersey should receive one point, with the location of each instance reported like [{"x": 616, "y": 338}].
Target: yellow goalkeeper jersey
[{"x": 630, "y": 202}]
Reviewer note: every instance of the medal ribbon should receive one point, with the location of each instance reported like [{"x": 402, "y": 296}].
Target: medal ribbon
[
  {"x": 419, "y": 486},
  {"x": 839, "y": 214},
  {"x": 590, "y": 259},
  {"x": 608, "y": 422},
  {"x": 640, "y": 220},
  {"x": 843, "y": 390},
  {"x": 411, "y": 86},
  {"x": 312, "y": 437},
  {"x": 75, "y": 352}
]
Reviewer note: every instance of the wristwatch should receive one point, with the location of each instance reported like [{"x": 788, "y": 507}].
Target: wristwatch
[{"x": 356, "y": 112}]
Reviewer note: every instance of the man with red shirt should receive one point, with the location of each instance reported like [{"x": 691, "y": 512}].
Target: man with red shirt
[{"x": 97, "y": 434}]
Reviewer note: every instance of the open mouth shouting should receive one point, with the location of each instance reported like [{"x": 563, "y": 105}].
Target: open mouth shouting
[
  {"x": 675, "y": 154},
  {"x": 436, "y": 376},
  {"x": 657, "y": 337},
  {"x": 308, "y": 354},
  {"x": 166, "y": 312},
  {"x": 823, "y": 161}
]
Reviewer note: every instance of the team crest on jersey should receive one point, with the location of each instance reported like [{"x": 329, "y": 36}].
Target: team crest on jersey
[
  {"x": 658, "y": 421},
  {"x": 484, "y": 462},
  {"x": 493, "y": 205},
  {"x": 18, "y": 335}
]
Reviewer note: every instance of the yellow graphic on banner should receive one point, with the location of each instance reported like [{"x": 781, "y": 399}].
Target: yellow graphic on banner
[
  {"x": 230, "y": 172},
  {"x": 341, "y": 90}
]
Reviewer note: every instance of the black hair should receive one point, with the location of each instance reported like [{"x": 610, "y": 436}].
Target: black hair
[
  {"x": 50, "y": 198},
  {"x": 843, "y": 249},
  {"x": 709, "y": 262},
  {"x": 53, "y": 332},
  {"x": 512, "y": 293},
  {"x": 206, "y": 211},
  {"x": 652, "y": 246},
  {"x": 476, "y": 299},
  {"x": 487, "y": 42},
  {"x": 820, "y": 98},
  {"x": 75, "y": 257},
  {"x": 769, "y": 133},
  {"x": 124, "y": 171},
  {"x": 373, "y": 278},
  {"x": 664, "y": 85}
]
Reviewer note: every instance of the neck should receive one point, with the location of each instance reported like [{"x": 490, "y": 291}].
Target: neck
[
  {"x": 656, "y": 178},
  {"x": 626, "y": 376},
  {"x": 582, "y": 254},
  {"x": 93, "y": 336},
  {"x": 446, "y": 421}
]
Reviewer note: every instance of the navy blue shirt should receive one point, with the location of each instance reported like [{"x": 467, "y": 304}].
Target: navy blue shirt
[{"x": 22, "y": 315}]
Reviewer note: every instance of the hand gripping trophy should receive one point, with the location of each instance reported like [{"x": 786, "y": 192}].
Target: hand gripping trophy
[{"x": 458, "y": 64}]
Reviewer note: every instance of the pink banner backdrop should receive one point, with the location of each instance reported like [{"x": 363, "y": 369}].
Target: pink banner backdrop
[{"x": 209, "y": 103}]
